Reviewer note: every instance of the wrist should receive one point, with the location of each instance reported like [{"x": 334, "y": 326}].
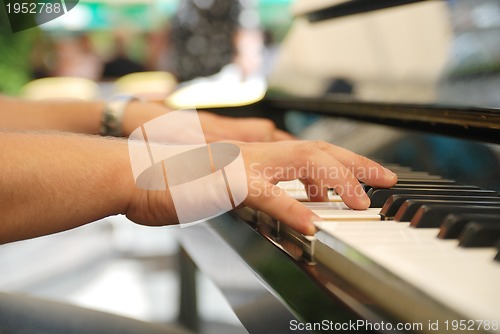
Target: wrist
[
  {"x": 121, "y": 180},
  {"x": 139, "y": 112}
]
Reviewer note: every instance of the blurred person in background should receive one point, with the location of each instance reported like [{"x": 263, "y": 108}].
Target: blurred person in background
[
  {"x": 120, "y": 63},
  {"x": 75, "y": 56},
  {"x": 158, "y": 49},
  {"x": 207, "y": 35}
]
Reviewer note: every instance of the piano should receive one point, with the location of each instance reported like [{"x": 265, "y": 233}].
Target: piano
[{"x": 412, "y": 84}]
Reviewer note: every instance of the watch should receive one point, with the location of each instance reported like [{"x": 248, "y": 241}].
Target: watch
[{"x": 112, "y": 116}]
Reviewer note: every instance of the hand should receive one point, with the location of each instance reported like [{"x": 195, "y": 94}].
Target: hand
[
  {"x": 215, "y": 127},
  {"x": 318, "y": 165}
]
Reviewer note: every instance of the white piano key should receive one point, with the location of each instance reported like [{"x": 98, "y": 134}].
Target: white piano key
[
  {"x": 326, "y": 205},
  {"x": 292, "y": 185},
  {"x": 297, "y": 190},
  {"x": 469, "y": 283},
  {"x": 301, "y": 195},
  {"x": 466, "y": 280},
  {"x": 349, "y": 214}
]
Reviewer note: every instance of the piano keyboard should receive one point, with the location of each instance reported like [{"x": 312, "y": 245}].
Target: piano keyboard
[{"x": 427, "y": 239}]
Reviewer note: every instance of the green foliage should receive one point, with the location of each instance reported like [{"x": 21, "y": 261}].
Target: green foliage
[{"x": 14, "y": 55}]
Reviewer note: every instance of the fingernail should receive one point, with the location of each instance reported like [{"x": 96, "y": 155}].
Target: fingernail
[
  {"x": 311, "y": 230},
  {"x": 365, "y": 200},
  {"x": 388, "y": 172},
  {"x": 311, "y": 227}
]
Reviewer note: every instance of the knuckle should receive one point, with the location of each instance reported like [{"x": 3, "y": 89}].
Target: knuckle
[
  {"x": 304, "y": 150},
  {"x": 322, "y": 145},
  {"x": 267, "y": 124},
  {"x": 293, "y": 207},
  {"x": 363, "y": 161}
]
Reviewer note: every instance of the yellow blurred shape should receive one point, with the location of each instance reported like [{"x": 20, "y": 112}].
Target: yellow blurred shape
[
  {"x": 60, "y": 87},
  {"x": 216, "y": 94},
  {"x": 154, "y": 85}
]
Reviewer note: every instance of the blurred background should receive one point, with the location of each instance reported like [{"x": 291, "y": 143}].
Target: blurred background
[{"x": 103, "y": 40}]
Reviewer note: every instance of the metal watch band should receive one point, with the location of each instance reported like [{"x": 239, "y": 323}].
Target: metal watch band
[{"x": 112, "y": 116}]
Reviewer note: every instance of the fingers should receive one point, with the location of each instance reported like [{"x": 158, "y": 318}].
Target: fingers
[
  {"x": 316, "y": 192},
  {"x": 321, "y": 165},
  {"x": 273, "y": 201},
  {"x": 216, "y": 127},
  {"x": 279, "y": 135},
  {"x": 363, "y": 169},
  {"x": 327, "y": 172},
  {"x": 262, "y": 130}
]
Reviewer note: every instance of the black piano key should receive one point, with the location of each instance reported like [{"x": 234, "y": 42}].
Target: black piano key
[
  {"x": 413, "y": 181},
  {"x": 418, "y": 181},
  {"x": 453, "y": 224},
  {"x": 409, "y": 207},
  {"x": 423, "y": 182},
  {"x": 418, "y": 176},
  {"x": 394, "y": 202},
  {"x": 480, "y": 235},
  {"x": 395, "y": 167},
  {"x": 379, "y": 196},
  {"x": 426, "y": 185},
  {"x": 432, "y": 215},
  {"x": 497, "y": 258},
  {"x": 430, "y": 185}
]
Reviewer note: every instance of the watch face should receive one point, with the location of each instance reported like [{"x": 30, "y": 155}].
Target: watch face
[{"x": 111, "y": 124}]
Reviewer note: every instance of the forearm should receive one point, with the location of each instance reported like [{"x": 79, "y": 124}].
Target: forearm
[
  {"x": 54, "y": 182},
  {"x": 71, "y": 115},
  {"x": 65, "y": 115},
  {"x": 85, "y": 117}
]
